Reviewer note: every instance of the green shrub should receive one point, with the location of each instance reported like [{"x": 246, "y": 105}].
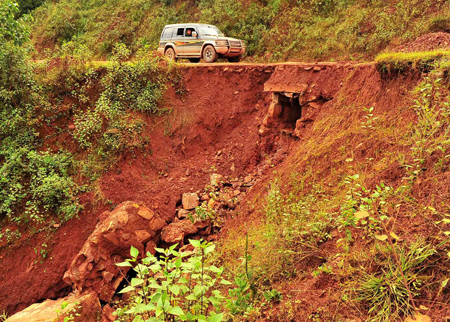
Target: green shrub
[
  {"x": 32, "y": 184},
  {"x": 175, "y": 286}
]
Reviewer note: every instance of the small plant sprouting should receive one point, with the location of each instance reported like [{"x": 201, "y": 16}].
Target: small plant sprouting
[{"x": 369, "y": 118}]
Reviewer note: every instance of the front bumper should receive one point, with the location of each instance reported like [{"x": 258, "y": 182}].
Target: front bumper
[{"x": 227, "y": 51}]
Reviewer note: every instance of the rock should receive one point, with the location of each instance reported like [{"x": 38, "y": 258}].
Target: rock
[
  {"x": 71, "y": 127},
  {"x": 275, "y": 110},
  {"x": 200, "y": 224},
  {"x": 205, "y": 197},
  {"x": 190, "y": 201},
  {"x": 311, "y": 98},
  {"x": 143, "y": 236},
  {"x": 107, "y": 314},
  {"x": 248, "y": 179},
  {"x": 216, "y": 179},
  {"x": 308, "y": 68},
  {"x": 317, "y": 69},
  {"x": 175, "y": 232},
  {"x": 263, "y": 131},
  {"x": 183, "y": 213},
  {"x": 212, "y": 204},
  {"x": 268, "y": 120},
  {"x": 93, "y": 268},
  {"x": 145, "y": 213},
  {"x": 276, "y": 98},
  {"x": 156, "y": 223},
  {"x": 314, "y": 105},
  {"x": 86, "y": 308},
  {"x": 150, "y": 247}
]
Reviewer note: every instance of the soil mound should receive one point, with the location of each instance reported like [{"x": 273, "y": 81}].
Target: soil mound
[{"x": 427, "y": 42}]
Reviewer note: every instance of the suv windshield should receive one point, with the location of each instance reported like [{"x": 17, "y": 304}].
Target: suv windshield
[{"x": 210, "y": 31}]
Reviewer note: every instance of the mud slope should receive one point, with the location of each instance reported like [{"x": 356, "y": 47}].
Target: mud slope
[{"x": 216, "y": 124}]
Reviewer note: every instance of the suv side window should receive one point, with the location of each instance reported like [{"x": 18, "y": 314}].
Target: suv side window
[
  {"x": 189, "y": 32},
  {"x": 180, "y": 32},
  {"x": 167, "y": 33}
]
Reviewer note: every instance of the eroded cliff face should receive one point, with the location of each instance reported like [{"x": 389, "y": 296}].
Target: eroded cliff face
[{"x": 237, "y": 121}]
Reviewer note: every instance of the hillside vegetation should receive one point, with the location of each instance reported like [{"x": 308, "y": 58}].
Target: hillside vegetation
[{"x": 275, "y": 30}]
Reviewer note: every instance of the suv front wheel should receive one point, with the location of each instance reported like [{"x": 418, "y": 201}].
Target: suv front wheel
[{"x": 210, "y": 54}]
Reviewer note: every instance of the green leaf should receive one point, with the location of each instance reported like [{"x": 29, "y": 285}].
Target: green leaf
[
  {"x": 176, "y": 311},
  {"x": 216, "y": 318},
  {"x": 134, "y": 252},
  {"x": 127, "y": 289},
  {"x": 381, "y": 237},
  {"x": 225, "y": 282},
  {"x": 175, "y": 289},
  {"x": 214, "y": 269},
  {"x": 191, "y": 297},
  {"x": 178, "y": 262},
  {"x": 209, "y": 249},
  {"x": 195, "y": 243},
  {"x": 394, "y": 235},
  {"x": 136, "y": 281},
  {"x": 124, "y": 264},
  {"x": 361, "y": 214}
]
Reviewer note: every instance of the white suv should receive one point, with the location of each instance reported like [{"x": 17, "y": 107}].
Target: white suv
[{"x": 195, "y": 41}]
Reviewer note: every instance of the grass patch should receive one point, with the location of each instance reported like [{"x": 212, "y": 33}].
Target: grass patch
[{"x": 399, "y": 62}]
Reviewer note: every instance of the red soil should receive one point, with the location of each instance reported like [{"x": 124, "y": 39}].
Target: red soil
[
  {"x": 213, "y": 127},
  {"x": 427, "y": 42}
]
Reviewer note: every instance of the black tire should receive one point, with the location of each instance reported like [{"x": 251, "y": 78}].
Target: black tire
[
  {"x": 194, "y": 60},
  {"x": 170, "y": 53},
  {"x": 210, "y": 54},
  {"x": 236, "y": 59}
]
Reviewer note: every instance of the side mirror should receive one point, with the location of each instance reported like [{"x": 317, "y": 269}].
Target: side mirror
[{"x": 194, "y": 34}]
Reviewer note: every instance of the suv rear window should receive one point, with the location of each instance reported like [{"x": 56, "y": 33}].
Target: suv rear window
[
  {"x": 167, "y": 33},
  {"x": 180, "y": 32}
]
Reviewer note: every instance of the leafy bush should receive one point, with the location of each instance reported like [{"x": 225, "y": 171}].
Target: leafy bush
[
  {"x": 32, "y": 184},
  {"x": 175, "y": 286},
  {"x": 38, "y": 181}
]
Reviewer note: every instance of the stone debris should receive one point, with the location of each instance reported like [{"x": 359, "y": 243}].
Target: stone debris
[
  {"x": 176, "y": 231},
  {"x": 216, "y": 179}
]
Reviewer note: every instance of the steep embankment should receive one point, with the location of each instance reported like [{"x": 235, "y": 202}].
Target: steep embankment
[
  {"x": 302, "y": 154},
  {"x": 215, "y": 113}
]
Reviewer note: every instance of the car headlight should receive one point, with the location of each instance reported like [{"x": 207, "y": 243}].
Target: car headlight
[{"x": 221, "y": 43}]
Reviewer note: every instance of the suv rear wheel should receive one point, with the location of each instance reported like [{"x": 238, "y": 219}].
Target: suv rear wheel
[
  {"x": 210, "y": 54},
  {"x": 170, "y": 53}
]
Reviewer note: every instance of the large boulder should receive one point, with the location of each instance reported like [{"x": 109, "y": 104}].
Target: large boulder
[
  {"x": 81, "y": 308},
  {"x": 130, "y": 224}
]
